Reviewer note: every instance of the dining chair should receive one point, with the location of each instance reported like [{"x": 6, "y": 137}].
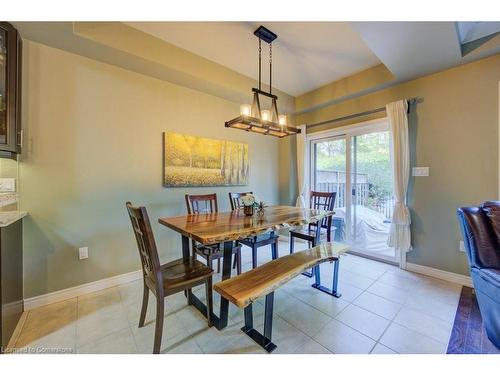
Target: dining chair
[
  {"x": 255, "y": 242},
  {"x": 197, "y": 204},
  {"x": 165, "y": 279},
  {"x": 319, "y": 201}
]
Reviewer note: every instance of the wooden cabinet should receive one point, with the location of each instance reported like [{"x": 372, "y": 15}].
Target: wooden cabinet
[
  {"x": 10, "y": 91},
  {"x": 11, "y": 279}
]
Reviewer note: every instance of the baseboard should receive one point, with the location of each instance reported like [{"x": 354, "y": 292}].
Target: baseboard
[
  {"x": 95, "y": 286},
  {"x": 440, "y": 274},
  {"x": 64, "y": 294}
]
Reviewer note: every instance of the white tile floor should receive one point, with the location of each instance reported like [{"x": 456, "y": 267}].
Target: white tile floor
[{"x": 382, "y": 310}]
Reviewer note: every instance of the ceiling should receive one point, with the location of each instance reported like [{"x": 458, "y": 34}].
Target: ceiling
[
  {"x": 413, "y": 49},
  {"x": 306, "y": 55}
]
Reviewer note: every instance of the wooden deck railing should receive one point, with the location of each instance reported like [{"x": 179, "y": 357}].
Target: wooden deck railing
[{"x": 384, "y": 205}]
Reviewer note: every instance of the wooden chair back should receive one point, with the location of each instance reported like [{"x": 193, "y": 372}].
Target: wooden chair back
[
  {"x": 145, "y": 241},
  {"x": 201, "y": 203},
  {"x": 323, "y": 201},
  {"x": 235, "y": 199}
]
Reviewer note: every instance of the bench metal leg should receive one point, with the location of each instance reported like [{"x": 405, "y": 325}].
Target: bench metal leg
[
  {"x": 334, "y": 291},
  {"x": 268, "y": 317},
  {"x": 335, "y": 279},
  {"x": 317, "y": 275},
  {"x": 264, "y": 340},
  {"x": 248, "y": 319}
]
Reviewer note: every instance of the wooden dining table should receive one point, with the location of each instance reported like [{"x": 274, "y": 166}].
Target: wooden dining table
[{"x": 227, "y": 227}]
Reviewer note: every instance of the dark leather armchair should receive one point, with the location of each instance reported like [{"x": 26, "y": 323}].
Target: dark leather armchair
[{"x": 481, "y": 231}]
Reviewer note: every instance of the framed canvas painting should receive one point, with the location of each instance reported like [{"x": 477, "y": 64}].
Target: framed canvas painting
[{"x": 196, "y": 161}]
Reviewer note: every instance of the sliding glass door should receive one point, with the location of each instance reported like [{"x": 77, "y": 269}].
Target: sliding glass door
[
  {"x": 356, "y": 163},
  {"x": 329, "y": 174}
]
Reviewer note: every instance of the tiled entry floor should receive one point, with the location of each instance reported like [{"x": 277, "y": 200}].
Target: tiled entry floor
[{"x": 382, "y": 310}]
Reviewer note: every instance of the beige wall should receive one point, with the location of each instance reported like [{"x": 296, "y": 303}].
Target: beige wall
[
  {"x": 93, "y": 141},
  {"x": 454, "y": 131},
  {"x": 344, "y": 88}
]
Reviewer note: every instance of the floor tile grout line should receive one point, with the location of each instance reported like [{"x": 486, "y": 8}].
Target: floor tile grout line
[
  {"x": 320, "y": 345},
  {"x": 402, "y": 325},
  {"x": 102, "y": 337},
  {"x": 381, "y": 316},
  {"x": 293, "y": 325},
  {"x": 385, "y": 330},
  {"x": 330, "y": 317},
  {"x": 352, "y": 303},
  {"x": 391, "y": 322},
  {"x": 338, "y": 321}
]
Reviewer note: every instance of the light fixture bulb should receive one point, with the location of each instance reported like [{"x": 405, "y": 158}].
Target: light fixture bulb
[
  {"x": 245, "y": 109},
  {"x": 266, "y": 115},
  {"x": 282, "y": 120}
]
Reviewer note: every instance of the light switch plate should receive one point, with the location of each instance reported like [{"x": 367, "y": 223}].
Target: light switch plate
[
  {"x": 420, "y": 171},
  {"x": 83, "y": 253},
  {"x": 462, "y": 246},
  {"x": 7, "y": 185}
]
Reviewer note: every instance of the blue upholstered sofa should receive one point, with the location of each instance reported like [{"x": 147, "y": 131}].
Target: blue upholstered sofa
[{"x": 481, "y": 231}]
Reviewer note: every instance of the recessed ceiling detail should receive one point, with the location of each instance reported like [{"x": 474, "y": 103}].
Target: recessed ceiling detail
[
  {"x": 309, "y": 54},
  {"x": 473, "y": 35}
]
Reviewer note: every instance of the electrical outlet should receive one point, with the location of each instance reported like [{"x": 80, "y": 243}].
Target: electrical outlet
[
  {"x": 420, "y": 171},
  {"x": 462, "y": 246},
  {"x": 83, "y": 252}
]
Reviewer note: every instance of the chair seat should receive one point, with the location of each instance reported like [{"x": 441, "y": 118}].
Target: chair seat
[
  {"x": 261, "y": 238},
  {"x": 180, "y": 272},
  {"x": 302, "y": 233},
  {"x": 212, "y": 250},
  {"x": 207, "y": 249}
]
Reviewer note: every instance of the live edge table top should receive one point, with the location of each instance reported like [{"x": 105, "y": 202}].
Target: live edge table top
[{"x": 217, "y": 227}]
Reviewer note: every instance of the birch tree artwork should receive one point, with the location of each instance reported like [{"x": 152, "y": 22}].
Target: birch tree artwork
[{"x": 195, "y": 161}]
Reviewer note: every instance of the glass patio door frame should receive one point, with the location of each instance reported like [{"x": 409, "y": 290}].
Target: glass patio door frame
[{"x": 348, "y": 132}]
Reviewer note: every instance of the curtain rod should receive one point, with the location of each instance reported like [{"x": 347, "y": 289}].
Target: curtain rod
[{"x": 359, "y": 114}]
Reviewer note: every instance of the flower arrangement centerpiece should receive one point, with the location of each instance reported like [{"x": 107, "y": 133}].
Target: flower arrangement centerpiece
[{"x": 251, "y": 203}]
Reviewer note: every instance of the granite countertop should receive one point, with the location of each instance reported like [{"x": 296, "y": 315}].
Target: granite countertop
[{"x": 9, "y": 217}]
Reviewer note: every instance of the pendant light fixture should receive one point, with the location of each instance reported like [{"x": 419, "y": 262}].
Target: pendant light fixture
[{"x": 252, "y": 117}]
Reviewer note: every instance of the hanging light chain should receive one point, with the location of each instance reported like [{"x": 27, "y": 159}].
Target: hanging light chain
[
  {"x": 260, "y": 64},
  {"x": 270, "y": 68}
]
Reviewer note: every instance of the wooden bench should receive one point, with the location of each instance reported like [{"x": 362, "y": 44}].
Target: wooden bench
[{"x": 246, "y": 288}]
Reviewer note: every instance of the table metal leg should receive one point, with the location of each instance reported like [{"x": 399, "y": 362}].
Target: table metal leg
[
  {"x": 317, "y": 236},
  {"x": 226, "y": 274},
  {"x": 185, "y": 248},
  {"x": 307, "y": 273},
  {"x": 193, "y": 300},
  {"x": 185, "y": 255}
]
